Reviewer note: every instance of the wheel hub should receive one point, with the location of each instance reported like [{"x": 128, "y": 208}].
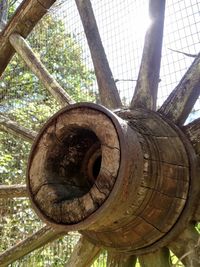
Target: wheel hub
[{"x": 122, "y": 180}]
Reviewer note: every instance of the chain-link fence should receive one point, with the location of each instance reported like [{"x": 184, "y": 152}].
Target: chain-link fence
[{"x": 59, "y": 41}]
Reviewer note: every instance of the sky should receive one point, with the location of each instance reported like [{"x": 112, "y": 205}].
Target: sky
[{"x": 122, "y": 25}]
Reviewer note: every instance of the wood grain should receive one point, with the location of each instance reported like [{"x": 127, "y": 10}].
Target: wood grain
[
  {"x": 84, "y": 254},
  {"x": 107, "y": 88},
  {"x": 180, "y": 102},
  {"x": 159, "y": 258},
  {"x": 116, "y": 259},
  {"x": 145, "y": 95}
]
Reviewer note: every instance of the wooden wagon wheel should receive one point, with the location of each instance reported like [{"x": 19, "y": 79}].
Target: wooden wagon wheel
[{"x": 126, "y": 178}]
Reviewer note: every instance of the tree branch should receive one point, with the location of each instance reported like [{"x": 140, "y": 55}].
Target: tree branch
[
  {"x": 183, "y": 53},
  {"x": 180, "y": 102},
  {"x": 35, "y": 241},
  {"x": 107, "y": 88},
  {"x": 145, "y": 94},
  {"x": 12, "y": 127}
]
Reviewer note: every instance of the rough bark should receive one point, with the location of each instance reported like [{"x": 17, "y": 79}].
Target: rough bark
[
  {"x": 159, "y": 258},
  {"x": 35, "y": 241},
  {"x": 180, "y": 102},
  {"x": 116, "y": 259},
  {"x": 12, "y": 127},
  {"x": 107, "y": 88},
  {"x": 11, "y": 191},
  {"x": 33, "y": 62},
  {"x": 84, "y": 254},
  {"x": 23, "y": 21},
  {"x": 186, "y": 247},
  {"x": 145, "y": 94}
]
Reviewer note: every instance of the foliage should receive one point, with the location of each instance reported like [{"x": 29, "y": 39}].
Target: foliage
[
  {"x": 25, "y": 101},
  {"x": 62, "y": 56}
]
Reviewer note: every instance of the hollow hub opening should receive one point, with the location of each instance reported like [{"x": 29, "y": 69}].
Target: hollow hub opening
[
  {"x": 75, "y": 161},
  {"x": 71, "y": 171},
  {"x": 96, "y": 167}
]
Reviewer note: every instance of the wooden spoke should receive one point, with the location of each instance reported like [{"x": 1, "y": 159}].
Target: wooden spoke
[
  {"x": 182, "y": 99},
  {"x": 187, "y": 247},
  {"x": 83, "y": 254},
  {"x": 11, "y": 191},
  {"x": 147, "y": 83},
  {"x": 12, "y": 127},
  {"x": 192, "y": 130},
  {"x": 35, "y": 241},
  {"x": 116, "y": 259},
  {"x": 33, "y": 62},
  {"x": 159, "y": 258},
  {"x": 107, "y": 87},
  {"x": 24, "y": 20}
]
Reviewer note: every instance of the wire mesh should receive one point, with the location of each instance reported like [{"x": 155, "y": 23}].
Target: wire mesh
[{"x": 60, "y": 43}]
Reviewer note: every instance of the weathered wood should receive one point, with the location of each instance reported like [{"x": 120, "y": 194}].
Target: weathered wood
[
  {"x": 33, "y": 62},
  {"x": 35, "y": 241},
  {"x": 107, "y": 88},
  {"x": 180, "y": 102},
  {"x": 22, "y": 22},
  {"x": 116, "y": 259},
  {"x": 192, "y": 130},
  {"x": 159, "y": 258},
  {"x": 11, "y": 191},
  {"x": 145, "y": 94},
  {"x": 186, "y": 247},
  {"x": 78, "y": 135},
  {"x": 84, "y": 254},
  {"x": 14, "y": 128},
  {"x": 124, "y": 187},
  {"x": 197, "y": 214}
]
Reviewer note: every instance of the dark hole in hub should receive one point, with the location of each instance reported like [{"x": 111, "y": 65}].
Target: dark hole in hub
[
  {"x": 73, "y": 163},
  {"x": 96, "y": 167}
]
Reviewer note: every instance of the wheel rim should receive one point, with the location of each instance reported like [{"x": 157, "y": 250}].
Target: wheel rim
[{"x": 163, "y": 110}]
